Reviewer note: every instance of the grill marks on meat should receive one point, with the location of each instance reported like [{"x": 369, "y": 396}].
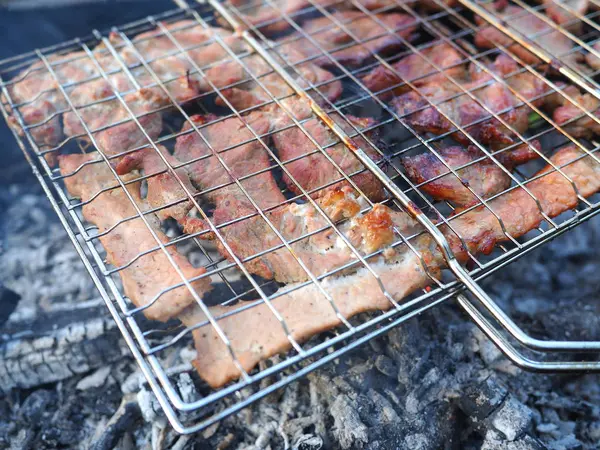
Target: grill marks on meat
[
  {"x": 334, "y": 39},
  {"x": 416, "y": 69},
  {"x": 486, "y": 178},
  {"x": 148, "y": 275},
  {"x": 250, "y": 234},
  {"x": 464, "y": 110},
  {"x": 255, "y": 334},
  {"x": 528, "y": 25},
  {"x": 313, "y": 171}
]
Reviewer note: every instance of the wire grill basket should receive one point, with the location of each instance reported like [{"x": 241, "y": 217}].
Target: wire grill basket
[{"x": 314, "y": 99}]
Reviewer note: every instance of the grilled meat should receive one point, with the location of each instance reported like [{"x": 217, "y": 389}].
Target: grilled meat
[
  {"x": 573, "y": 118},
  {"x": 416, "y": 69},
  {"x": 592, "y": 60},
  {"x": 145, "y": 278},
  {"x": 313, "y": 171},
  {"x": 36, "y": 87},
  {"x": 528, "y": 25},
  {"x": 248, "y": 93},
  {"x": 165, "y": 190},
  {"x": 255, "y": 333},
  {"x": 485, "y": 178},
  {"x": 567, "y": 13},
  {"x": 110, "y": 123},
  {"x": 246, "y": 233},
  {"x": 332, "y": 38},
  {"x": 459, "y": 107}
]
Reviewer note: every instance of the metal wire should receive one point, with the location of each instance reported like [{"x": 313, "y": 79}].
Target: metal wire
[{"x": 448, "y": 26}]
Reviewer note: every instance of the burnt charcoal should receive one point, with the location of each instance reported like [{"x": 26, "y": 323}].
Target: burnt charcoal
[
  {"x": 124, "y": 419},
  {"x": 36, "y": 404},
  {"x": 512, "y": 419},
  {"x": 481, "y": 399},
  {"x": 8, "y": 302},
  {"x": 308, "y": 442},
  {"x": 386, "y": 366}
]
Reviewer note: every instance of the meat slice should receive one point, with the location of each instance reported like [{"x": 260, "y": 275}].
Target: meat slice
[
  {"x": 573, "y": 118},
  {"x": 528, "y": 25},
  {"x": 332, "y": 38},
  {"x": 248, "y": 234},
  {"x": 309, "y": 166},
  {"x": 255, "y": 333},
  {"x": 416, "y": 69},
  {"x": 148, "y": 277},
  {"x": 567, "y": 13},
  {"x": 102, "y": 113},
  {"x": 267, "y": 16},
  {"x": 464, "y": 110},
  {"x": 486, "y": 178},
  {"x": 165, "y": 190},
  {"x": 592, "y": 60},
  {"x": 248, "y": 93},
  {"x": 37, "y": 88}
]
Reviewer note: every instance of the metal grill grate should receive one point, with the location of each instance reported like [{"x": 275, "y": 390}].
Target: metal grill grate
[{"x": 270, "y": 76}]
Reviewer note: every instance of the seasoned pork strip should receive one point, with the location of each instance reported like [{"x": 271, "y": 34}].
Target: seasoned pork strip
[
  {"x": 149, "y": 274},
  {"x": 255, "y": 333}
]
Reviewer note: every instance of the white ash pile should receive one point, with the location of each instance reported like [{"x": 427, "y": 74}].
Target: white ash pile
[{"x": 435, "y": 382}]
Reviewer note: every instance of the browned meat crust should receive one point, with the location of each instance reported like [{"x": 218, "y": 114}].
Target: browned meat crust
[
  {"x": 486, "y": 178},
  {"x": 255, "y": 334},
  {"x": 573, "y": 118},
  {"x": 149, "y": 274},
  {"x": 416, "y": 69},
  {"x": 555, "y": 43},
  {"x": 334, "y": 39},
  {"x": 314, "y": 171},
  {"x": 252, "y": 235},
  {"x": 163, "y": 187},
  {"x": 463, "y": 110}
]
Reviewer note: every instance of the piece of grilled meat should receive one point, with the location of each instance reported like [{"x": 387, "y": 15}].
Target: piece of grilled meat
[
  {"x": 371, "y": 37},
  {"x": 485, "y": 178},
  {"x": 451, "y": 99}
]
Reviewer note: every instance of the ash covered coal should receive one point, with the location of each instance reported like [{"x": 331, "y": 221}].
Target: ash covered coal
[{"x": 434, "y": 382}]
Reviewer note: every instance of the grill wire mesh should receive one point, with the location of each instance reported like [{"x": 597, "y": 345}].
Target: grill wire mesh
[{"x": 275, "y": 77}]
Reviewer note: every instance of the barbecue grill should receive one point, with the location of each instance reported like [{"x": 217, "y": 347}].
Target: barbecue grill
[{"x": 448, "y": 23}]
